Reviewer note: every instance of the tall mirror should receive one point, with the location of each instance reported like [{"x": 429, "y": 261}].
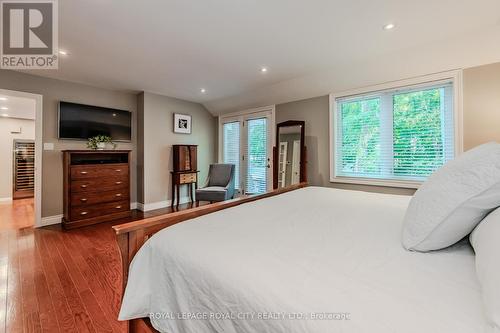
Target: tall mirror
[{"x": 289, "y": 154}]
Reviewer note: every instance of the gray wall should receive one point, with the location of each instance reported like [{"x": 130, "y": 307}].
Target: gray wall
[
  {"x": 53, "y": 91},
  {"x": 481, "y": 105},
  {"x": 156, "y": 119},
  {"x": 6, "y": 149}
]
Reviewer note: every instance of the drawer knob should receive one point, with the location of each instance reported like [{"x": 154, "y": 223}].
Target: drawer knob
[
  {"x": 83, "y": 200},
  {"x": 84, "y": 213},
  {"x": 83, "y": 172},
  {"x": 83, "y": 186},
  {"x": 118, "y": 207},
  {"x": 118, "y": 170},
  {"x": 118, "y": 194},
  {"x": 118, "y": 183}
]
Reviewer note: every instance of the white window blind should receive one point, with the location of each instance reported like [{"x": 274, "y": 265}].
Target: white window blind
[
  {"x": 402, "y": 134},
  {"x": 256, "y": 153},
  {"x": 231, "y": 148}
]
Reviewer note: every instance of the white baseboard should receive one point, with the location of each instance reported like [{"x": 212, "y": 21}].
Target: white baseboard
[
  {"x": 49, "y": 220},
  {"x": 133, "y": 205},
  {"x": 6, "y": 199},
  {"x": 160, "y": 204}
]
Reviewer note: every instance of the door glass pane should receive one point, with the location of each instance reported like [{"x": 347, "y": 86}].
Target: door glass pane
[
  {"x": 256, "y": 182},
  {"x": 231, "y": 149}
]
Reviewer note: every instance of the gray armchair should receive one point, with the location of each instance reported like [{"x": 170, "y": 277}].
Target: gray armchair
[{"x": 219, "y": 185}]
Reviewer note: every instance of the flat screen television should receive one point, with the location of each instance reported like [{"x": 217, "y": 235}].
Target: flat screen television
[{"x": 80, "y": 122}]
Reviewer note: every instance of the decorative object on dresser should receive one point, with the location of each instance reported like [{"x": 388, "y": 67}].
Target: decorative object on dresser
[
  {"x": 96, "y": 186},
  {"x": 182, "y": 123},
  {"x": 185, "y": 170},
  {"x": 290, "y": 157},
  {"x": 99, "y": 142}
]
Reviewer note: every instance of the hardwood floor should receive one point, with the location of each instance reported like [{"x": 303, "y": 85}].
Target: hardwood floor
[
  {"x": 61, "y": 281},
  {"x": 17, "y": 214}
]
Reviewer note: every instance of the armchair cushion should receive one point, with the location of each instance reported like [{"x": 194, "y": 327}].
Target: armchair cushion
[
  {"x": 212, "y": 193},
  {"x": 220, "y": 174}
]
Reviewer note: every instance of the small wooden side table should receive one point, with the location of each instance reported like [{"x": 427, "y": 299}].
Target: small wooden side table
[{"x": 180, "y": 178}]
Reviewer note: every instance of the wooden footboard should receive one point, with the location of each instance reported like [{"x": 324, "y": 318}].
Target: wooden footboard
[{"x": 131, "y": 236}]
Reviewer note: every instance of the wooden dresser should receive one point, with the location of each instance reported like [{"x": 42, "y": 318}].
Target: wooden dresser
[{"x": 96, "y": 186}]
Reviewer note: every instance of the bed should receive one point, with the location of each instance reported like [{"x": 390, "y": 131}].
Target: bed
[{"x": 308, "y": 260}]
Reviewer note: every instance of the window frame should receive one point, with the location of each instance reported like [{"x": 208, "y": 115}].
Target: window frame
[{"x": 454, "y": 76}]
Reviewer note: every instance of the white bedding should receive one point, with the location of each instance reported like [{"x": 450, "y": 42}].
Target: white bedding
[{"x": 300, "y": 254}]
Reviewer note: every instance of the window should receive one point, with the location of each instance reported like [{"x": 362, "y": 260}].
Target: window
[
  {"x": 396, "y": 136},
  {"x": 231, "y": 148}
]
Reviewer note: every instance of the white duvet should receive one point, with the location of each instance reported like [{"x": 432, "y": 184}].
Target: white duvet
[{"x": 311, "y": 260}]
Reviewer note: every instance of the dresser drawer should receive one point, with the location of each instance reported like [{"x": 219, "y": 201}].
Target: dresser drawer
[
  {"x": 187, "y": 178},
  {"x": 98, "y": 184},
  {"x": 91, "y": 198},
  {"x": 98, "y": 171},
  {"x": 85, "y": 212}
]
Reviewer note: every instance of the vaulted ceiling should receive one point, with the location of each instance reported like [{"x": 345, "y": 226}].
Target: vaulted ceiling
[{"x": 310, "y": 48}]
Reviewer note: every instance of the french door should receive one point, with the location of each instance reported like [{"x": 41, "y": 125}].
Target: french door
[{"x": 247, "y": 143}]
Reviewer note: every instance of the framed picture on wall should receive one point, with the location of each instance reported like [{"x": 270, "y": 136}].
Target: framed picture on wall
[{"x": 182, "y": 123}]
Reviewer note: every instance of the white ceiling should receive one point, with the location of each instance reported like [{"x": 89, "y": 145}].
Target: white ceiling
[
  {"x": 17, "y": 107},
  {"x": 311, "y": 47}
]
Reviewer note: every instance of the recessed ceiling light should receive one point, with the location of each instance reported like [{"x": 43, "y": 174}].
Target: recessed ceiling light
[
  {"x": 389, "y": 26},
  {"x": 62, "y": 52},
  {"x": 3, "y": 98},
  {"x": 263, "y": 70},
  {"x": 4, "y": 108},
  {"x": 203, "y": 90},
  {"x": 5, "y": 115}
]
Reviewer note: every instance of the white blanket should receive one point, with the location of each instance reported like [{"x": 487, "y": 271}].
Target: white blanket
[{"x": 311, "y": 260}]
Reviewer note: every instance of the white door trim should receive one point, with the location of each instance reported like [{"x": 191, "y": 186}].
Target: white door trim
[{"x": 38, "y": 148}]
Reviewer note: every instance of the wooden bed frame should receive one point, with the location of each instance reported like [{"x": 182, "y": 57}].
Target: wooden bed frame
[{"x": 131, "y": 236}]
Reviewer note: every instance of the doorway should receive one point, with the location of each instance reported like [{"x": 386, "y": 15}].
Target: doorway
[
  {"x": 20, "y": 159},
  {"x": 246, "y": 140}
]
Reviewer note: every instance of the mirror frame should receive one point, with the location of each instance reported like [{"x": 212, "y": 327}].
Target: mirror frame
[{"x": 303, "y": 160}]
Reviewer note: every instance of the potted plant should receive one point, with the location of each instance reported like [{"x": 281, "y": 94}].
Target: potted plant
[{"x": 99, "y": 142}]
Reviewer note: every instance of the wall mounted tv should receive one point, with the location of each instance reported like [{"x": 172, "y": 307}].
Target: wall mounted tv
[{"x": 80, "y": 122}]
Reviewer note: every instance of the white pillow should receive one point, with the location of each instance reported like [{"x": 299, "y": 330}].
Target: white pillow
[
  {"x": 454, "y": 199},
  {"x": 486, "y": 242}
]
